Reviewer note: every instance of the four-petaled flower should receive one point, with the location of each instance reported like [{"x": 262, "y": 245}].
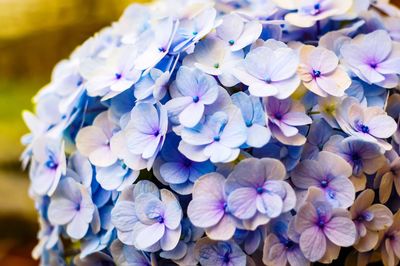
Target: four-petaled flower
[
  {"x": 323, "y": 228},
  {"x": 257, "y": 191},
  {"x": 209, "y": 207},
  {"x": 374, "y": 58},
  {"x": 72, "y": 206},
  {"x": 320, "y": 72},
  {"x": 330, "y": 173},
  {"x": 192, "y": 92},
  {"x": 270, "y": 70}
]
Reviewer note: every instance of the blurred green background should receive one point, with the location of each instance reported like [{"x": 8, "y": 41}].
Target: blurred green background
[{"x": 34, "y": 36}]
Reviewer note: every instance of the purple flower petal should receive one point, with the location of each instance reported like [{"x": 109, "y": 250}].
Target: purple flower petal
[
  {"x": 313, "y": 243},
  {"x": 78, "y": 227},
  {"x": 305, "y": 217},
  {"x": 307, "y": 173},
  {"x": 210, "y": 186},
  {"x": 123, "y": 216},
  {"x": 344, "y": 191},
  {"x": 149, "y": 235},
  {"x": 177, "y": 105},
  {"x": 341, "y": 231},
  {"x": 382, "y": 126},
  {"x": 173, "y": 210},
  {"x": 223, "y": 230},
  {"x": 170, "y": 238},
  {"x": 258, "y": 136},
  {"x": 296, "y": 119},
  {"x": 242, "y": 203},
  {"x": 174, "y": 173},
  {"x": 192, "y": 114},
  {"x": 269, "y": 204},
  {"x": 61, "y": 211},
  {"x": 205, "y": 213}
]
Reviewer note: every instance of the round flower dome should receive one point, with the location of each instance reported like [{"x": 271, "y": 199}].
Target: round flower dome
[{"x": 223, "y": 132}]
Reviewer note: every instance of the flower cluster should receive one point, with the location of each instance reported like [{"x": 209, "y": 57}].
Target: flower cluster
[{"x": 223, "y": 132}]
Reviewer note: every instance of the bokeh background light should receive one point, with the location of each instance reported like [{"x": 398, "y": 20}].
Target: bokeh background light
[{"x": 34, "y": 36}]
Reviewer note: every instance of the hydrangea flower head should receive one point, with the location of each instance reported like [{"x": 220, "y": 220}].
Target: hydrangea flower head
[{"x": 223, "y": 132}]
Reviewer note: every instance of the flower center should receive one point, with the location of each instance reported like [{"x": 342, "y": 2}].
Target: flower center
[
  {"x": 79, "y": 83},
  {"x": 124, "y": 166},
  {"x": 316, "y": 73},
  {"x": 373, "y": 65},
  {"x": 196, "y": 99},
  {"x": 364, "y": 129},
  {"x": 249, "y": 124},
  {"x": 217, "y": 138},
  {"x": 289, "y": 244},
  {"x": 51, "y": 165},
  {"x": 162, "y": 49},
  {"x": 156, "y": 133},
  {"x": 118, "y": 75},
  {"x": 187, "y": 163},
  {"x": 278, "y": 116},
  {"x": 225, "y": 207},
  {"x": 216, "y": 65},
  {"x": 226, "y": 257},
  {"x": 231, "y": 42},
  {"x": 260, "y": 190},
  {"x": 160, "y": 219},
  {"x": 324, "y": 183},
  {"x": 321, "y": 223},
  {"x": 356, "y": 158}
]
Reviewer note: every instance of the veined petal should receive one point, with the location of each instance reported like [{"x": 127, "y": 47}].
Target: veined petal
[{"x": 149, "y": 235}]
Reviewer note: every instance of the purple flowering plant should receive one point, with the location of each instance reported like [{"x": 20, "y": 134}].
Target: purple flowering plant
[{"x": 223, "y": 132}]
